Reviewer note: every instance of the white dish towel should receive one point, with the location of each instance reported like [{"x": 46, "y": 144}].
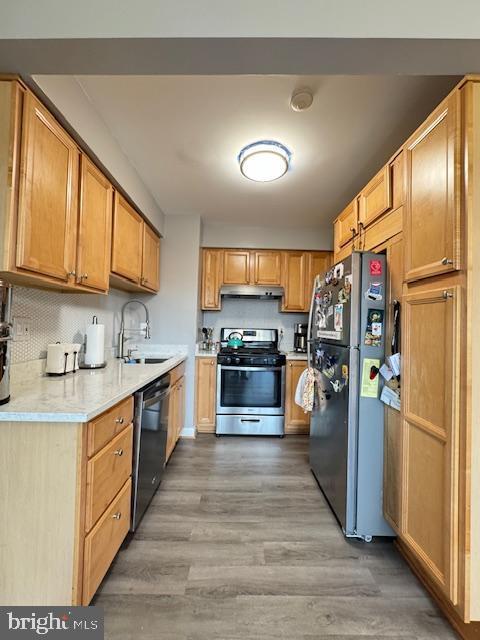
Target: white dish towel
[{"x": 305, "y": 391}]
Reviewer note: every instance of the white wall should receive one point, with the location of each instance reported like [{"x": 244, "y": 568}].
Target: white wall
[
  {"x": 222, "y": 235},
  {"x": 174, "y": 310},
  {"x": 69, "y": 98}
]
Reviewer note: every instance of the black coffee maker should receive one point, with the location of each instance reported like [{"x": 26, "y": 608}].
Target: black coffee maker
[{"x": 300, "y": 338}]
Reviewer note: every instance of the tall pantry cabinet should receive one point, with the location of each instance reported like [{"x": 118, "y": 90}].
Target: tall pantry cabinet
[{"x": 439, "y": 516}]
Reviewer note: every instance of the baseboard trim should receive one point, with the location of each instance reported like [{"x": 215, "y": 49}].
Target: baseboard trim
[
  {"x": 188, "y": 432},
  {"x": 470, "y": 631}
]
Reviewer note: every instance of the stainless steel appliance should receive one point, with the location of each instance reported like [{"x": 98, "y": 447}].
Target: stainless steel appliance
[
  {"x": 251, "y": 384},
  {"x": 300, "y": 338},
  {"x": 346, "y": 347},
  {"x": 5, "y": 339},
  {"x": 149, "y": 444}
]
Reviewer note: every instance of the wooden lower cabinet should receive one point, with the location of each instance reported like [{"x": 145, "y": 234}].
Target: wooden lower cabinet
[
  {"x": 205, "y": 394},
  {"x": 296, "y": 420},
  {"x": 431, "y": 432},
  {"x": 176, "y": 415},
  {"x": 103, "y": 542}
]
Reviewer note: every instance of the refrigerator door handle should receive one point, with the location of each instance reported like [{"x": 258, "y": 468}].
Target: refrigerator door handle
[{"x": 310, "y": 317}]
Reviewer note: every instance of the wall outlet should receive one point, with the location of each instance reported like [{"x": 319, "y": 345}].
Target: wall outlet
[{"x": 22, "y": 328}]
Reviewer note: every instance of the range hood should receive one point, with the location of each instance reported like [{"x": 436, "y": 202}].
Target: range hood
[{"x": 254, "y": 292}]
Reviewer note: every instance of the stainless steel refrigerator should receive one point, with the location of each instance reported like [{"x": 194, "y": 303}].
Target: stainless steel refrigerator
[{"x": 346, "y": 347}]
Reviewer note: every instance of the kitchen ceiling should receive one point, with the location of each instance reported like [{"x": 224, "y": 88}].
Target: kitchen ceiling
[{"x": 183, "y": 134}]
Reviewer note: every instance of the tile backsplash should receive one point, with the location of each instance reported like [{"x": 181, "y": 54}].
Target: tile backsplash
[
  {"x": 261, "y": 314},
  {"x": 63, "y": 317}
]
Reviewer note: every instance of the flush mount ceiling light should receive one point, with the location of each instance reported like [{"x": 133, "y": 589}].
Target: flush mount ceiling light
[{"x": 264, "y": 161}]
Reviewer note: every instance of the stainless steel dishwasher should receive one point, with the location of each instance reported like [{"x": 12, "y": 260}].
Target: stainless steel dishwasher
[{"x": 149, "y": 444}]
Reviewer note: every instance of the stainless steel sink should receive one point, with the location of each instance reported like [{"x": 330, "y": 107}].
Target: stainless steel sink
[{"x": 151, "y": 360}]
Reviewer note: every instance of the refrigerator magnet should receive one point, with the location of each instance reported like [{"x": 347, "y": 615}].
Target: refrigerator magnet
[
  {"x": 375, "y": 267},
  {"x": 369, "y": 388},
  {"x": 374, "y": 292},
  {"x": 374, "y": 330},
  {"x": 343, "y": 296},
  {"x": 338, "y": 317},
  {"x": 338, "y": 271},
  {"x": 345, "y": 371},
  {"x": 330, "y": 311}
]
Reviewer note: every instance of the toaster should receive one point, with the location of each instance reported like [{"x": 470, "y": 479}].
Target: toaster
[{"x": 62, "y": 358}]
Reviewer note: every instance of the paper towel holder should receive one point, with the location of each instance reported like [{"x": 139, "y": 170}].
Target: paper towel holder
[{"x": 82, "y": 364}]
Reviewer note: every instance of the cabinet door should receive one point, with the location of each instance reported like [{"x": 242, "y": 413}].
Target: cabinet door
[
  {"x": 347, "y": 224},
  {"x": 127, "y": 240},
  {"x": 430, "y": 383},
  {"x": 296, "y": 421},
  {"x": 150, "y": 259},
  {"x": 375, "y": 198},
  {"x": 236, "y": 267},
  {"x": 267, "y": 267},
  {"x": 180, "y": 407},
  {"x": 392, "y": 477},
  {"x": 94, "y": 228},
  {"x": 432, "y": 220},
  {"x": 205, "y": 394},
  {"x": 212, "y": 276},
  {"x": 295, "y": 281},
  {"x": 172, "y": 420},
  {"x": 319, "y": 262},
  {"x": 48, "y": 198},
  {"x": 397, "y": 175}
]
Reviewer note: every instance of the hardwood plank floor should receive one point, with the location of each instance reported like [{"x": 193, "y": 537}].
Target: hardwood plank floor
[{"x": 239, "y": 544}]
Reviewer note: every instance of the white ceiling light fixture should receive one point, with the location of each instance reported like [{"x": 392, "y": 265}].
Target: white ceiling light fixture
[{"x": 264, "y": 161}]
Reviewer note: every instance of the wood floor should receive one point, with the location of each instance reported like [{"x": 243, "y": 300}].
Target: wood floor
[{"x": 239, "y": 544}]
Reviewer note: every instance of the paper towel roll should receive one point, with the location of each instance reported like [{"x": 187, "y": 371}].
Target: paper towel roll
[{"x": 95, "y": 347}]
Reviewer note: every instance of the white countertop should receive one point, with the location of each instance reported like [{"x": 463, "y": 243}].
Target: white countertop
[
  {"x": 294, "y": 355},
  {"x": 80, "y": 396}
]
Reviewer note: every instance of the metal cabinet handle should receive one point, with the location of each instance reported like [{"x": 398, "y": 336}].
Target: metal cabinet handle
[
  {"x": 144, "y": 281},
  {"x": 85, "y": 276},
  {"x": 118, "y": 452},
  {"x": 117, "y": 516},
  {"x": 447, "y": 294},
  {"x": 72, "y": 273},
  {"x": 119, "y": 420},
  {"x": 446, "y": 261}
]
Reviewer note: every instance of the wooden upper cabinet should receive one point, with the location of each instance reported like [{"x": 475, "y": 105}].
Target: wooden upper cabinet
[
  {"x": 150, "y": 259},
  {"x": 430, "y": 387},
  {"x": 432, "y": 217},
  {"x": 236, "y": 266},
  {"x": 319, "y": 262},
  {"x": 94, "y": 228},
  {"x": 127, "y": 243},
  {"x": 295, "y": 274},
  {"x": 47, "y": 214},
  {"x": 347, "y": 224},
  {"x": 375, "y": 198},
  {"x": 212, "y": 277},
  {"x": 266, "y": 267},
  {"x": 397, "y": 176}
]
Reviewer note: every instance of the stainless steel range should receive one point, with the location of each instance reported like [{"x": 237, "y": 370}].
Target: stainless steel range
[{"x": 251, "y": 384}]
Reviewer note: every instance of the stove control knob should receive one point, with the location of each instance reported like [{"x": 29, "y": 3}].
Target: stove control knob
[
  {"x": 265, "y": 360},
  {"x": 237, "y": 361},
  {"x": 228, "y": 360}
]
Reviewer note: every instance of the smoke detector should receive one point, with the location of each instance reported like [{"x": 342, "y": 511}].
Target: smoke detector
[{"x": 301, "y": 100}]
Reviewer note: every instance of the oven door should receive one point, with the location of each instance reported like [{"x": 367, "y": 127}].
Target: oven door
[{"x": 255, "y": 390}]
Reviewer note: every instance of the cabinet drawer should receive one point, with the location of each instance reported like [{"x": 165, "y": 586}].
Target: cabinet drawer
[
  {"x": 103, "y": 542},
  {"x": 105, "y": 427},
  {"x": 106, "y": 473},
  {"x": 177, "y": 373}
]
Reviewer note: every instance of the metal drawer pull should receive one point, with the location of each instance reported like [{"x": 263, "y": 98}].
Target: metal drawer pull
[
  {"x": 119, "y": 421},
  {"x": 447, "y": 294},
  {"x": 118, "y": 452},
  {"x": 249, "y": 420},
  {"x": 446, "y": 261},
  {"x": 117, "y": 516}
]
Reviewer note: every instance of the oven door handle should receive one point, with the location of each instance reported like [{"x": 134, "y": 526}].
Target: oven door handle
[{"x": 224, "y": 368}]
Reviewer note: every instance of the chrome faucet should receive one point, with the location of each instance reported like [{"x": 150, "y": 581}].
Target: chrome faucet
[{"x": 121, "y": 336}]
